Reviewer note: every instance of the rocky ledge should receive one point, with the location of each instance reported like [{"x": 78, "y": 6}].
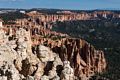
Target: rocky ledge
[{"x": 66, "y": 59}]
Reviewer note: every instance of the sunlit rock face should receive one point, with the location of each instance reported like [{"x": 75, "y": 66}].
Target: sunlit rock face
[
  {"x": 64, "y": 59},
  {"x": 68, "y": 15},
  {"x": 67, "y": 72},
  {"x": 83, "y": 58},
  {"x": 1, "y": 23}
]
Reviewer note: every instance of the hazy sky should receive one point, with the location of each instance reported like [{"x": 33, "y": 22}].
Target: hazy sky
[{"x": 62, "y": 4}]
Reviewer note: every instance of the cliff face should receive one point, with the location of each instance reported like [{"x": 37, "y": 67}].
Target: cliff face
[
  {"x": 83, "y": 58},
  {"x": 46, "y": 20},
  {"x": 64, "y": 59},
  {"x": 67, "y": 15}
]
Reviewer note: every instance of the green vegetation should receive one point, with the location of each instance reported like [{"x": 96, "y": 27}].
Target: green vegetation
[{"x": 12, "y": 16}]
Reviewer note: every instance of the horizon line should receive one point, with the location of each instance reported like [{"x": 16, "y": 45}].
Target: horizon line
[{"x": 63, "y": 8}]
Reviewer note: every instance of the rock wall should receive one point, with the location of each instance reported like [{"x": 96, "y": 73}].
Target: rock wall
[
  {"x": 46, "y": 20},
  {"x": 67, "y": 16},
  {"x": 65, "y": 59},
  {"x": 83, "y": 58}
]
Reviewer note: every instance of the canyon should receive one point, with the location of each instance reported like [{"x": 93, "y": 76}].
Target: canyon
[{"x": 29, "y": 50}]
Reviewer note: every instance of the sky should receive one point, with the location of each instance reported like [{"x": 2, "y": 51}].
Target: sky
[{"x": 61, "y": 4}]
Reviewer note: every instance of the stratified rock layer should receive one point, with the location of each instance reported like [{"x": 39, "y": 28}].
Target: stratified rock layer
[{"x": 64, "y": 59}]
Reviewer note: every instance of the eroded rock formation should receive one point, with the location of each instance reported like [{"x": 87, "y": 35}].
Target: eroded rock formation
[
  {"x": 46, "y": 19},
  {"x": 83, "y": 58},
  {"x": 64, "y": 59}
]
